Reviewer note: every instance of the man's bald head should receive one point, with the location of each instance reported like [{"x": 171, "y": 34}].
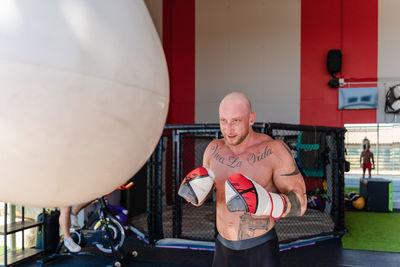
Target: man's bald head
[
  {"x": 236, "y": 118},
  {"x": 238, "y": 100}
]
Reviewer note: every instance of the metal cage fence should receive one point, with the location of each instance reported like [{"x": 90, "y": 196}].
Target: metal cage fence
[{"x": 317, "y": 150}]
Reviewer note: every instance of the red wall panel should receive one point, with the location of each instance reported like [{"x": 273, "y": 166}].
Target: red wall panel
[
  {"x": 179, "y": 47},
  {"x": 351, "y": 26}
]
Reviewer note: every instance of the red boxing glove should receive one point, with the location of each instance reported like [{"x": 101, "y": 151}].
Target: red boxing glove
[
  {"x": 243, "y": 194},
  {"x": 196, "y": 185}
]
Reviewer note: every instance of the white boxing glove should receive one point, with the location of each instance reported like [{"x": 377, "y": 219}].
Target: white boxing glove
[
  {"x": 244, "y": 194},
  {"x": 196, "y": 185}
]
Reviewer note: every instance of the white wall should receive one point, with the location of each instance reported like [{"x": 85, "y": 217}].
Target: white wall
[
  {"x": 251, "y": 46},
  {"x": 388, "y": 54}
]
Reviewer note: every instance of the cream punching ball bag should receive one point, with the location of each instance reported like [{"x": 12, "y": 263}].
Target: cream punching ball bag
[{"x": 83, "y": 98}]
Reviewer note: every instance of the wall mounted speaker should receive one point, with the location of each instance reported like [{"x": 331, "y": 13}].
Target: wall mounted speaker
[{"x": 334, "y": 61}]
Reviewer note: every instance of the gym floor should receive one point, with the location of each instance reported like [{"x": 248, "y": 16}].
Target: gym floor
[{"x": 324, "y": 253}]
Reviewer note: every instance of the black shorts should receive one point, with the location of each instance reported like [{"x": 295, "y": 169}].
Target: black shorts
[{"x": 264, "y": 254}]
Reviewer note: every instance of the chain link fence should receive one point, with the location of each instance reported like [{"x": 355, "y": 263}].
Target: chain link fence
[{"x": 318, "y": 152}]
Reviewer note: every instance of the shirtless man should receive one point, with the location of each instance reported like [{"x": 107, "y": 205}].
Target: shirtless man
[
  {"x": 257, "y": 182},
  {"x": 365, "y": 160}
]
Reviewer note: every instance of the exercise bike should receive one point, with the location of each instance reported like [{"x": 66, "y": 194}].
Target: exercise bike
[{"x": 103, "y": 230}]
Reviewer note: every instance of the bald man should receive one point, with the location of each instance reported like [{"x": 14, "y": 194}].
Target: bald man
[{"x": 257, "y": 182}]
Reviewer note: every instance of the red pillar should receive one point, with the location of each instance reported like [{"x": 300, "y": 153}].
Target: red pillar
[{"x": 179, "y": 48}]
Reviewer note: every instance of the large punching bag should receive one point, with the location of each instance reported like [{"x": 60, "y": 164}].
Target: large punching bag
[{"x": 83, "y": 98}]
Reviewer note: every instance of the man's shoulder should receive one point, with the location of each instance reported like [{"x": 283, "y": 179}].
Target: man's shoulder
[
  {"x": 261, "y": 138},
  {"x": 269, "y": 141},
  {"x": 277, "y": 146}
]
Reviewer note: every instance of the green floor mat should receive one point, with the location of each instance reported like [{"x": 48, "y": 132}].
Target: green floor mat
[
  {"x": 348, "y": 190},
  {"x": 372, "y": 231}
]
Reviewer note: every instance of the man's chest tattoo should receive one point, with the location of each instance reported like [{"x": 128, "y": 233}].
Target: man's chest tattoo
[
  {"x": 253, "y": 158},
  {"x": 248, "y": 225},
  {"x": 230, "y": 161},
  {"x": 235, "y": 161}
]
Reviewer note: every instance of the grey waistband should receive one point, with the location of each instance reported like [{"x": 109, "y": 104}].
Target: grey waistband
[{"x": 248, "y": 243}]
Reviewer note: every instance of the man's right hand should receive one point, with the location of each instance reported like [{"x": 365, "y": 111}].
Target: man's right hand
[{"x": 196, "y": 185}]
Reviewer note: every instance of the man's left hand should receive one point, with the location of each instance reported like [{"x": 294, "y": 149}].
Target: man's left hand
[{"x": 244, "y": 194}]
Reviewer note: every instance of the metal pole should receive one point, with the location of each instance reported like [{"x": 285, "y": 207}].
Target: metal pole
[
  {"x": 377, "y": 149},
  {"x": 23, "y": 232},
  {"x": 158, "y": 188},
  {"x": 5, "y": 234},
  {"x": 13, "y": 241},
  {"x": 149, "y": 202},
  {"x": 175, "y": 198},
  {"x": 339, "y": 181},
  {"x": 178, "y": 176}
]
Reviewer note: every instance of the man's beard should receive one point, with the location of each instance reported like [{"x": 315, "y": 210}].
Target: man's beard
[{"x": 237, "y": 141}]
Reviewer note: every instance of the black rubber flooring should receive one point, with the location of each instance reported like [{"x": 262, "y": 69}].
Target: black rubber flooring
[{"x": 323, "y": 253}]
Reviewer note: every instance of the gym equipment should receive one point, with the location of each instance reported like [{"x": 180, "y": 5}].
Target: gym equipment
[
  {"x": 48, "y": 236},
  {"x": 378, "y": 194},
  {"x": 358, "y": 202},
  {"x": 103, "y": 230},
  {"x": 311, "y": 149},
  {"x": 83, "y": 101},
  {"x": 120, "y": 213}
]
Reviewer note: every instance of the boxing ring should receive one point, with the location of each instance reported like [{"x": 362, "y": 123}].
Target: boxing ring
[{"x": 318, "y": 151}]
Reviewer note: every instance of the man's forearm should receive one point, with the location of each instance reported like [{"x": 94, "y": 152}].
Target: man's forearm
[{"x": 295, "y": 205}]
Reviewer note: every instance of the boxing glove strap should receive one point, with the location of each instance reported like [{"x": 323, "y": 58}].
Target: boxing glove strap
[{"x": 278, "y": 205}]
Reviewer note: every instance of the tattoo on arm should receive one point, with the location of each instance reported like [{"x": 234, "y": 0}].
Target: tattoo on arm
[
  {"x": 295, "y": 206},
  {"x": 296, "y": 170},
  {"x": 248, "y": 225}
]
